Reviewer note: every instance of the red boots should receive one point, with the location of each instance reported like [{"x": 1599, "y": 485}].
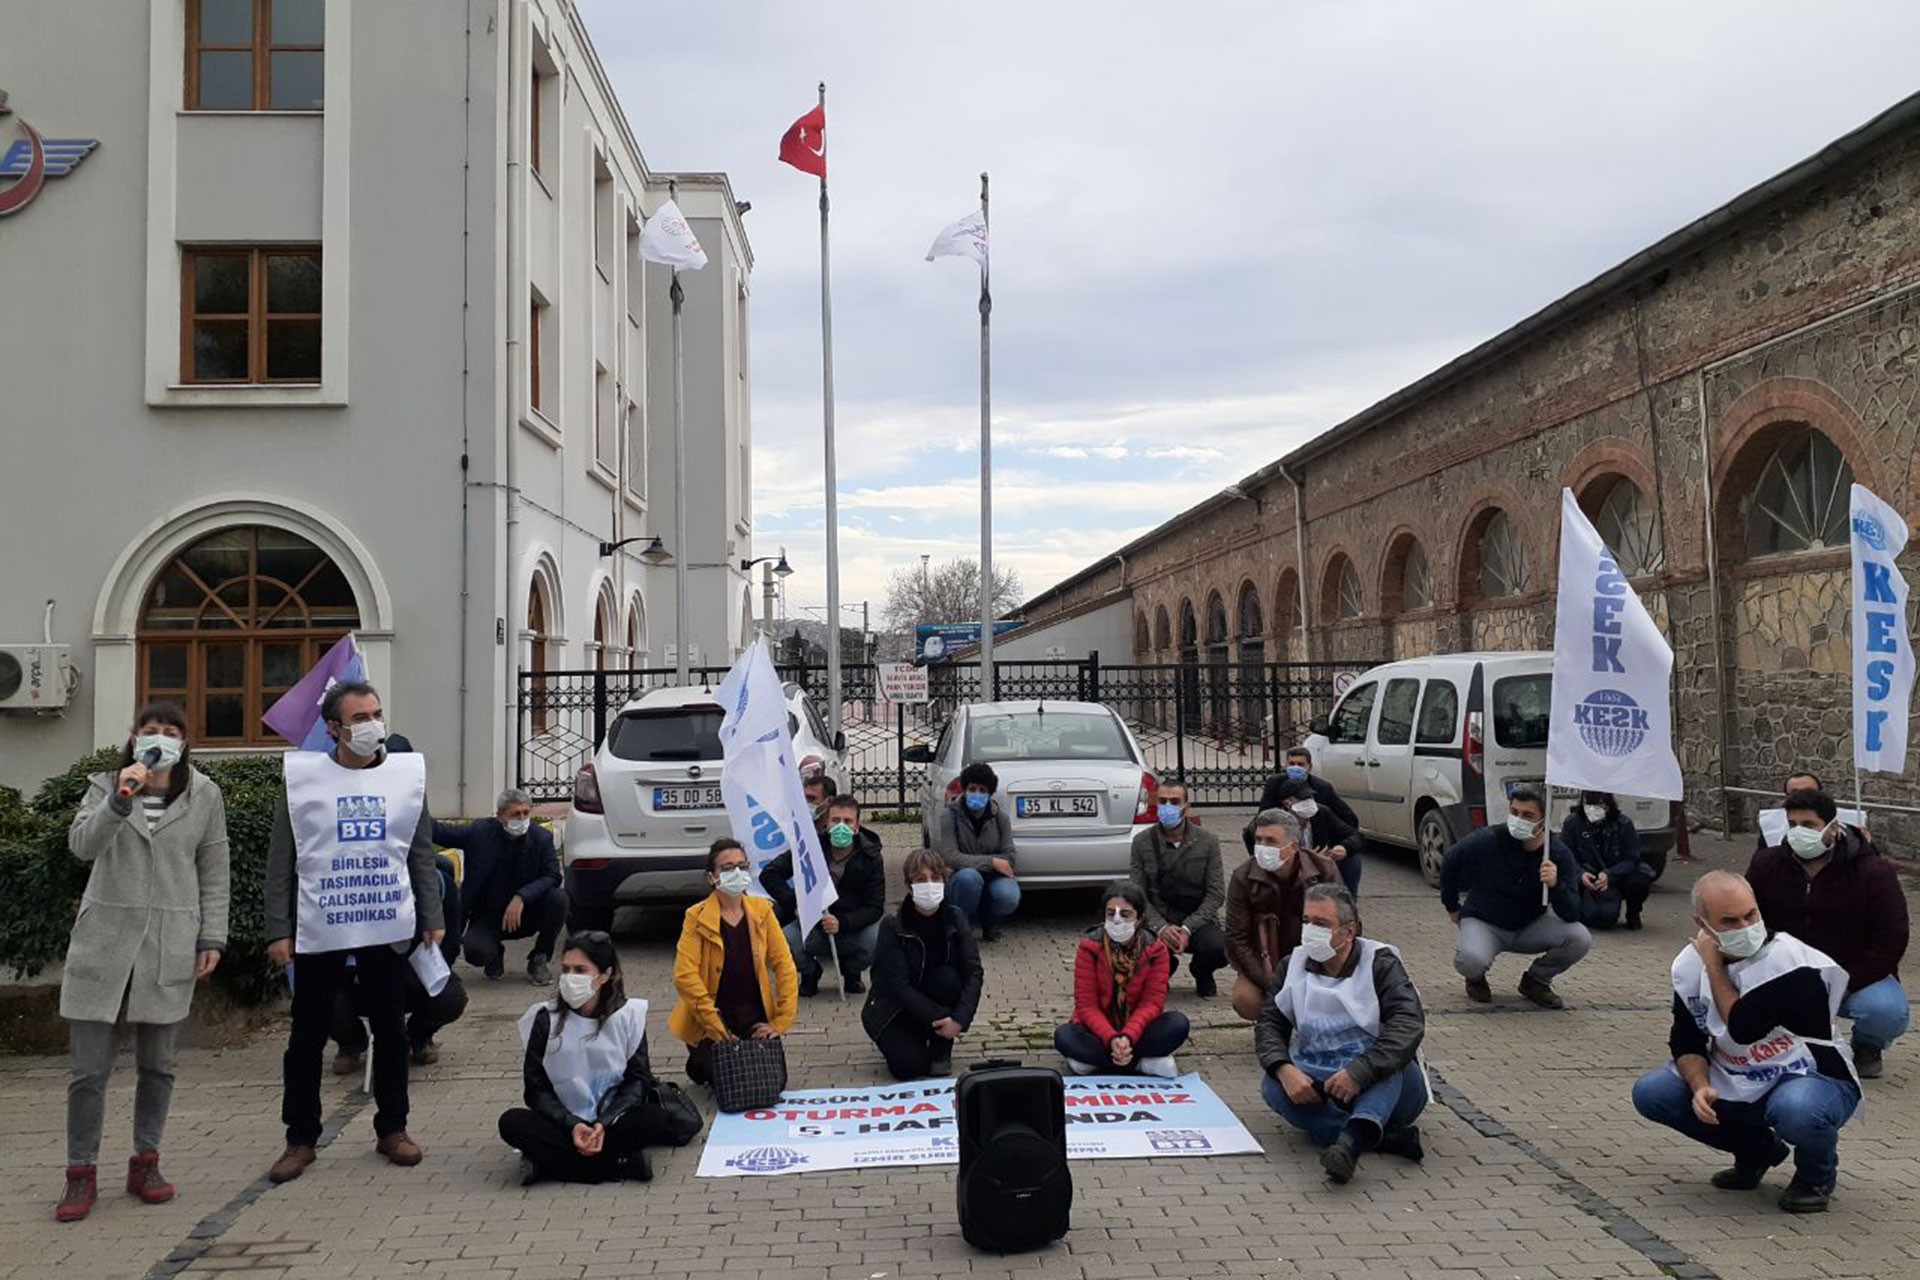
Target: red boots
[
  {"x": 83, "y": 1187},
  {"x": 144, "y": 1179},
  {"x": 76, "y": 1202}
]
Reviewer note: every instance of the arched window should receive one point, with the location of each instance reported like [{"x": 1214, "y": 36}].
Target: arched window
[
  {"x": 636, "y": 632},
  {"x": 1503, "y": 557},
  {"x": 1219, "y": 663},
  {"x": 1162, "y": 633},
  {"x": 1252, "y": 622},
  {"x": 1801, "y": 499},
  {"x": 234, "y": 622},
  {"x": 1252, "y": 626},
  {"x": 1408, "y": 583},
  {"x": 1142, "y": 636},
  {"x": 539, "y": 614},
  {"x": 1189, "y": 662},
  {"x": 1341, "y": 599},
  {"x": 1287, "y": 604},
  {"x": 602, "y": 629},
  {"x": 1624, "y": 519}
]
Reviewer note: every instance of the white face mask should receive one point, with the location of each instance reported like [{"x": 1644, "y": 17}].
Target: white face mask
[
  {"x": 517, "y": 826},
  {"x": 168, "y": 747},
  {"x": 1807, "y": 843},
  {"x": 1121, "y": 931},
  {"x": 366, "y": 738},
  {"x": 1306, "y": 809},
  {"x": 576, "y": 989},
  {"x": 928, "y": 894},
  {"x": 1596, "y": 813},
  {"x": 1317, "y": 941},
  {"x": 1738, "y": 944},
  {"x": 1267, "y": 857},
  {"x": 736, "y": 880},
  {"x": 1522, "y": 829}
]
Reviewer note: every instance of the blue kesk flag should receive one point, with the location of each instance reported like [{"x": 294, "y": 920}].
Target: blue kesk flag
[
  {"x": 295, "y": 715},
  {"x": 1611, "y": 726},
  {"x": 1882, "y": 647}
]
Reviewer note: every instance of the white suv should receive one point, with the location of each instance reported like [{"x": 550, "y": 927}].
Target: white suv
[
  {"x": 648, "y": 805},
  {"x": 1423, "y": 749}
]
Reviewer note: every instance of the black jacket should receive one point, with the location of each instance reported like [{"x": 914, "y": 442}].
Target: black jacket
[
  {"x": 1501, "y": 880},
  {"x": 862, "y": 884},
  {"x": 1612, "y": 846},
  {"x": 1322, "y": 791},
  {"x": 543, "y": 1100},
  {"x": 501, "y": 867},
  {"x": 1324, "y": 830},
  {"x": 900, "y": 966}
]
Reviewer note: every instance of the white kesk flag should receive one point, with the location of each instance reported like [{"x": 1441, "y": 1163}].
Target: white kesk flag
[
  {"x": 1882, "y": 648},
  {"x": 966, "y": 238},
  {"x": 1611, "y": 725},
  {"x": 760, "y": 782},
  {"x": 668, "y": 240}
]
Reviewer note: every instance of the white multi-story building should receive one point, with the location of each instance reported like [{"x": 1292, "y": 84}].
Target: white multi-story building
[{"x": 341, "y": 324}]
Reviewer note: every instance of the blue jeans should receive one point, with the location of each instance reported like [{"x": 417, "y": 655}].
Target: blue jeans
[
  {"x": 1390, "y": 1103},
  {"x": 1879, "y": 1012},
  {"x": 856, "y": 948},
  {"x": 1805, "y": 1112},
  {"x": 984, "y": 898}
]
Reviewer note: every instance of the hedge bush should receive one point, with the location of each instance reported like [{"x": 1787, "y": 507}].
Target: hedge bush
[{"x": 44, "y": 881}]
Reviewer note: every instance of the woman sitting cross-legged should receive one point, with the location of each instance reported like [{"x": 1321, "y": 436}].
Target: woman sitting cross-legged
[
  {"x": 1120, "y": 1019},
  {"x": 592, "y": 1105},
  {"x": 926, "y": 975}
]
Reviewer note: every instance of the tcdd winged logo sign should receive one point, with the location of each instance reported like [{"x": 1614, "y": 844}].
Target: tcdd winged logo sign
[{"x": 31, "y": 160}]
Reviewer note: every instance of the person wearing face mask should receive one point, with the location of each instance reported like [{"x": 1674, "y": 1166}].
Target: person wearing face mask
[
  {"x": 585, "y": 1076},
  {"x": 1757, "y": 1069},
  {"x": 152, "y": 923},
  {"x": 513, "y": 886},
  {"x": 1606, "y": 849},
  {"x": 1120, "y": 1017},
  {"x": 853, "y": 923},
  {"x": 1500, "y": 871},
  {"x": 926, "y": 976},
  {"x": 1321, "y": 829},
  {"x": 975, "y": 836},
  {"x": 350, "y": 873},
  {"x": 1298, "y": 767},
  {"x": 734, "y": 976},
  {"x": 1264, "y": 899},
  {"x": 1827, "y": 885},
  {"x": 1339, "y": 1040},
  {"x": 819, "y": 789},
  {"x": 1177, "y": 865}
]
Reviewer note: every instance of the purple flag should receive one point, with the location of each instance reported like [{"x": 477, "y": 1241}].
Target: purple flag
[{"x": 295, "y": 716}]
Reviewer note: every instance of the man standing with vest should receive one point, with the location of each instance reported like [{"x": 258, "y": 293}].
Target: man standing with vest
[
  {"x": 1758, "y": 1070},
  {"x": 350, "y": 873}
]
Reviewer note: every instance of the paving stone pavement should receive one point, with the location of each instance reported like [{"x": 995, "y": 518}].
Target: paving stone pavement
[{"x": 1537, "y": 1169}]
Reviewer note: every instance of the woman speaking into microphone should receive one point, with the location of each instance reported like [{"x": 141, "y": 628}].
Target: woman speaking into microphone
[{"x": 152, "y": 922}]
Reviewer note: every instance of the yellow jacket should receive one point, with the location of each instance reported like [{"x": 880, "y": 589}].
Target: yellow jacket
[{"x": 696, "y": 970}]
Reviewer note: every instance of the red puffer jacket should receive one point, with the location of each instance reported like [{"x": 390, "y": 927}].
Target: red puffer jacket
[{"x": 1093, "y": 989}]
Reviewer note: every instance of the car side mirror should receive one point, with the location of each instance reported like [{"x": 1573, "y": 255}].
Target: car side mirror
[
  {"x": 920, "y": 753},
  {"x": 840, "y": 740},
  {"x": 1319, "y": 724}
]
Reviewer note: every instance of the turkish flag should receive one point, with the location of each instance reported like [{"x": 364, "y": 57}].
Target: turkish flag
[{"x": 804, "y": 146}]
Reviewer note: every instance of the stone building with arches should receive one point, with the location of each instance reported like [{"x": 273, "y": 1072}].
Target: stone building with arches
[
  {"x": 344, "y": 327},
  {"x": 1709, "y": 401}
]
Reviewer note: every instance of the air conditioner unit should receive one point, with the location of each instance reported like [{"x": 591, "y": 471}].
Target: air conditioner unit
[{"x": 33, "y": 677}]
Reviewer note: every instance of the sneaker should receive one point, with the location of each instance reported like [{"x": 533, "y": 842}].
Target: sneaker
[
  {"x": 400, "y": 1149},
  {"x": 1164, "y": 1067},
  {"x": 1866, "y": 1061},
  {"x": 854, "y": 985},
  {"x": 530, "y": 1173},
  {"x": 292, "y": 1163},
  {"x": 1801, "y": 1197},
  {"x": 1204, "y": 986},
  {"x": 1745, "y": 1176},
  {"x": 1341, "y": 1159},
  {"x": 538, "y": 973},
  {"x": 349, "y": 1064},
  {"x": 496, "y": 967},
  {"x": 424, "y": 1055},
  {"x": 144, "y": 1178},
  {"x": 1403, "y": 1141},
  {"x": 1478, "y": 991},
  {"x": 1540, "y": 992},
  {"x": 1080, "y": 1068},
  {"x": 941, "y": 1063},
  {"x": 810, "y": 982},
  {"x": 76, "y": 1202}
]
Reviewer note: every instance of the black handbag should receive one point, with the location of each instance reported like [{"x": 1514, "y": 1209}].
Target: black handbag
[
  {"x": 675, "y": 1118},
  {"x": 748, "y": 1074}
]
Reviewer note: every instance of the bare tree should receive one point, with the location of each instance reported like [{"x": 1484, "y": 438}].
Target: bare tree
[{"x": 947, "y": 592}]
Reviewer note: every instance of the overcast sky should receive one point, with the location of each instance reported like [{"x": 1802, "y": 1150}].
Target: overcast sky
[{"x": 1218, "y": 228}]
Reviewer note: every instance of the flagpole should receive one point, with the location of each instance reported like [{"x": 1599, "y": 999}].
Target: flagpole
[
  {"x": 988, "y": 680},
  {"x": 681, "y": 553},
  {"x": 832, "y": 479}
]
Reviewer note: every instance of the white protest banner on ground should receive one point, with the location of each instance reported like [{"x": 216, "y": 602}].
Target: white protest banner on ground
[
  {"x": 903, "y": 684},
  {"x": 1882, "y": 648},
  {"x": 1611, "y": 723},
  {"x": 760, "y": 782},
  {"x": 1116, "y": 1117}
]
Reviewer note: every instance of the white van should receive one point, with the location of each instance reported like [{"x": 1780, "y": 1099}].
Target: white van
[{"x": 1418, "y": 748}]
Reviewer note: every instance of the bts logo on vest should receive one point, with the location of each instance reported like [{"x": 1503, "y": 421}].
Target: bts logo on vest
[
  {"x": 361, "y": 818},
  {"x": 352, "y": 832}
]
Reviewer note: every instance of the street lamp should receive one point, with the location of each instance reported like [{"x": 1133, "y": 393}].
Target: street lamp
[
  {"x": 777, "y": 567},
  {"x": 654, "y": 553}
]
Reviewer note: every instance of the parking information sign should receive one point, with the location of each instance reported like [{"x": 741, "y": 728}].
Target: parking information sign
[{"x": 903, "y": 683}]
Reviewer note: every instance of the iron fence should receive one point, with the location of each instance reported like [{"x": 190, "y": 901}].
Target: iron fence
[{"x": 1220, "y": 726}]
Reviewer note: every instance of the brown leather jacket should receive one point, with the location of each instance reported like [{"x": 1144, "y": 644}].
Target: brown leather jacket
[{"x": 1263, "y": 912}]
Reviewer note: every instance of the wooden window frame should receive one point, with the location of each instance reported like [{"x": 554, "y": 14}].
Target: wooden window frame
[
  {"x": 262, "y": 48},
  {"x": 257, "y": 317}
]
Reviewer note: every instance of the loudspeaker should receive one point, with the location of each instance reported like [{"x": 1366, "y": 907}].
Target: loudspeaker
[{"x": 1014, "y": 1189}]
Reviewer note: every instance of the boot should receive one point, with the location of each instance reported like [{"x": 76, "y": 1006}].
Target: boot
[
  {"x": 1747, "y": 1174},
  {"x": 1540, "y": 991},
  {"x": 76, "y": 1202},
  {"x": 538, "y": 973},
  {"x": 810, "y": 982},
  {"x": 1342, "y": 1158},
  {"x": 1633, "y": 915},
  {"x": 1478, "y": 991},
  {"x": 1866, "y": 1060},
  {"x": 1204, "y": 985},
  {"x": 144, "y": 1178},
  {"x": 941, "y": 1062},
  {"x": 400, "y": 1149},
  {"x": 1404, "y": 1142},
  {"x": 292, "y": 1163},
  {"x": 1802, "y": 1197},
  {"x": 424, "y": 1055}
]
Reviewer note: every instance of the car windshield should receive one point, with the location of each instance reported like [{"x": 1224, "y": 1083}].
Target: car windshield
[
  {"x": 1521, "y": 706},
  {"x": 1035, "y": 735},
  {"x": 671, "y": 733}
]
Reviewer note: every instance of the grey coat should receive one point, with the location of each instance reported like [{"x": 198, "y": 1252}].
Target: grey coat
[
  {"x": 152, "y": 903},
  {"x": 1195, "y": 867},
  {"x": 963, "y": 844}
]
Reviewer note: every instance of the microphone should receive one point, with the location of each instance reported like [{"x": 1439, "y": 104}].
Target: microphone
[{"x": 149, "y": 758}]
